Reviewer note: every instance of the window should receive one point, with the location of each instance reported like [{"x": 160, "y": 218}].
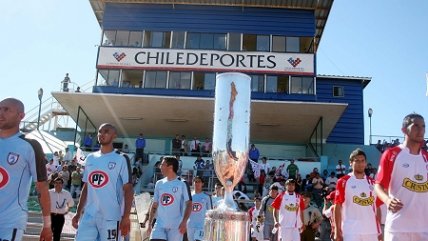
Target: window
[
  {"x": 257, "y": 83},
  {"x": 177, "y": 40},
  {"x": 206, "y": 41},
  {"x": 109, "y": 38},
  {"x": 263, "y": 43},
  {"x": 306, "y": 45},
  {"x": 277, "y": 84},
  {"x": 108, "y": 77},
  {"x": 132, "y": 78},
  {"x": 135, "y": 39},
  {"x": 203, "y": 81},
  {"x": 249, "y": 42},
  {"x": 292, "y": 44},
  {"x": 278, "y": 44},
  {"x": 234, "y": 41},
  {"x": 302, "y": 85},
  {"x": 157, "y": 39},
  {"x": 338, "y": 91},
  {"x": 122, "y": 38},
  {"x": 179, "y": 80},
  {"x": 155, "y": 79}
]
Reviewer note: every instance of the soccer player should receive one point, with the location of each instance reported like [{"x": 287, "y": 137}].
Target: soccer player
[
  {"x": 267, "y": 212},
  {"x": 355, "y": 211},
  {"x": 201, "y": 203},
  {"x": 172, "y": 203},
  {"x": 288, "y": 214},
  {"x": 402, "y": 184},
  {"x": 107, "y": 193},
  {"x": 21, "y": 161}
]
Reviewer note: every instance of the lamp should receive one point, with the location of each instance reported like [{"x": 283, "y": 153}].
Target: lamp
[
  {"x": 40, "y": 95},
  {"x": 370, "y": 112}
]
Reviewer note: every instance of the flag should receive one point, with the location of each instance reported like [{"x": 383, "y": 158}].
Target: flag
[
  {"x": 255, "y": 167},
  {"x": 80, "y": 157}
]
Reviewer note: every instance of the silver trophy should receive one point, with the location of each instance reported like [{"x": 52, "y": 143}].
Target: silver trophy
[{"x": 230, "y": 155}]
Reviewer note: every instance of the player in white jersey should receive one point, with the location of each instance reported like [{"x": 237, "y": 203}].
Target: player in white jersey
[
  {"x": 172, "y": 204},
  {"x": 201, "y": 203},
  {"x": 402, "y": 184},
  {"x": 355, "y": 208},
  {"x": 288, "y": 213},
  {"x": 107, "y": 194},
  {"x": 257, "y": 218},
  {"x": 21, "y": 162}
]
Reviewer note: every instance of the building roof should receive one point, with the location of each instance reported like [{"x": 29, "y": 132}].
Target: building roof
[
  {"x": 321, "y": 7},
  {"x": 364, "y": 80}
]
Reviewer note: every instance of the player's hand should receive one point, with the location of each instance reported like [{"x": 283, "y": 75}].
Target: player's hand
[
  {"x": 149, "y": 230},
  {"x": 338, "y": 236},
  {"x": 276, "y": 225},
  {"x": 125, "y": 225},
  {"x": 394, "y": 204},
  {"x": 75, "y": 221},
  {"x": 182, "y": 227},
  {"x": 46, "y": 234}
]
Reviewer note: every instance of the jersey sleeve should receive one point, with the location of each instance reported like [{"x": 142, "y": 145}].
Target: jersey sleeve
[
  {"x": 187, "y": 193},
  {"x": 125, "y": 172},
  {"x": 383, "y": 176},
  {"x": 38, "y": 162},
  {"x": 277, "y": 202},
  {"x": 156, "y": 192},
  {"x": 301, "y": 204},
  {"x": 340, "y": 191}
]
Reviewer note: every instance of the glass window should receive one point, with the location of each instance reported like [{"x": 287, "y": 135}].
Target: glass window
[
  {"x": 203, "y": 81},
  {"x": 219, "y": 41},
  {"x": 292, "y": 44},
  {"x": 306, "y": 45},
  {"x": 135, "y": 39},
  {"x": 108, "y": 77},
  {"x": 263, "y": 43},
  {"x": 109, "y": 38},
  {"x": 179, "y": 80},
  {"x": 157, "y": 39},
  {"x": 278, "y": 84},
  {"x": 207, "y": 41},
  {"x": 122, "y": 38},
  {"x": 193, "y": 40},
  {"x": 302, "y": 85},
  {"x": 209, "y": 81},
  {"x": 132, "y": 78},
  {"x": 234, "y": 41},
  {"x": 178, "y": 40},
  {"x": 278, "y": 44},
  {"x": 155, "y": 79},
  {"x": 257, "y": 83},
  {"x": 249, "y": 42},
  {"x": 338, "y": 91}
]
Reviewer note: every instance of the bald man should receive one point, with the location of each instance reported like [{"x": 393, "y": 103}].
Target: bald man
[
  {"x": 21, "y": 161},
  {"x": 107, "y": 193}
]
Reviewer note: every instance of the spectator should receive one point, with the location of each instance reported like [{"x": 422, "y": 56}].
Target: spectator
[
  {"x": 176, "y": 145},
  {"x": 254, "y": 153},
  {"x": 257, "y": 223},
  {"x": 87, "y": 142},
  {"x": 140, "y": 144},
  {"x": 68, "y": 156},
  {"x": 125, "y": 148},
  {"x": 317, "y": 185},
  {"x": 267, "y": 211},
  {"x": 184, "y": 146},
  {"x": 331, "y": 180},
  {"x": 51, "y": 167},
  {"x": 76, "y": 183},
  {"x": 207, "y": 147},
  {"x": 312, "y": 219},
  {"x": 194, "y": 146},
  {"x": 61, "y": 201},
  {"x": 340, "y": 169},
  {"x": 292, "y": 170},
  {"x": 65, "y": 175},
  {"x": 218, "y": 194}
]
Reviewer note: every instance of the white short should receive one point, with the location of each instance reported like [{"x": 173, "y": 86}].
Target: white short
[
  {"x": 170, "y": 234},
  {"x": 11, "y": 234},
  {"x": 289, "y": 234},
  {"x": 360, "y": 237},
  {"x": 96, "y": 228},
  {"x": 390, "y": 236}
]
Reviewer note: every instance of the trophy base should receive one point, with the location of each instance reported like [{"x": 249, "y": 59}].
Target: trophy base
[{"x": 226, "y": 225}]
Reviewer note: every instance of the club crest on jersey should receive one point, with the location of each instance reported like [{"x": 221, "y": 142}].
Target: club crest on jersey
[
  {"x": 419, "y": 177},
  {"x": 174, "y": 189},
  {"x": 196, "y": 207},
  {"x": 111, "y": 165},
  {"x": 363, "y": 194},
  {"x": 12, "y": 158},
  {"x": 98, "y": 179},
  {"x": 4, "y": 177},
  {"x": 167, "y": 199}
]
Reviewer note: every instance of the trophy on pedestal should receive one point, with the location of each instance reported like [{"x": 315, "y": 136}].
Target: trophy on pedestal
[{"x": 230, "y": 155}]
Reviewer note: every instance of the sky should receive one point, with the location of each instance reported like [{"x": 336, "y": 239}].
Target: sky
[{"x": 386, "y": 40}]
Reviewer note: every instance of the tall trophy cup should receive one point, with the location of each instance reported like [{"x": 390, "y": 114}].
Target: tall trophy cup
[{"x": 230, "y": 155}]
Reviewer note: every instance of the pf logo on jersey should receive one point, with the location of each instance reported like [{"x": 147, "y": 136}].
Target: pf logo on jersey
[
  {"x": 196, "y": 207},
  {"x": 98, "y": 179},
  {"x": 4, "y": 177},
  {"x": 167, "y": 199}
]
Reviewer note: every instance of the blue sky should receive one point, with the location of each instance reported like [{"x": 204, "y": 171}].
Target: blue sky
[{"x": 386, "y": 40}]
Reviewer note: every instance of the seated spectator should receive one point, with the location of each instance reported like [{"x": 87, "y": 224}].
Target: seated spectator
[
  {"x": 207, "y": 147},
  {"x": 331, "y": 180}
]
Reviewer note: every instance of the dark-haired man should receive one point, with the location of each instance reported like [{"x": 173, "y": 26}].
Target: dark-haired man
[
  {"x": 61, "y": 201},
  {"x": 171, "y": 194}
]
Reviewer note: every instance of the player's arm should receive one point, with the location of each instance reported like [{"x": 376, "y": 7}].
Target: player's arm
[
  {"x": 125, "y": 223},
  {"x": 152, "y": 212},
  {"x": 187, "y": 212},
  {"x": 45, "y": 204},
  {"x": 80, "y": 206},
  {"x": 338, "y": 222},
  {"x": 276, "y": 217}
]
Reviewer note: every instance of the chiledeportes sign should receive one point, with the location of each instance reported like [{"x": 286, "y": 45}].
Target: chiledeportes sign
[{"x": 205, "y": 60}]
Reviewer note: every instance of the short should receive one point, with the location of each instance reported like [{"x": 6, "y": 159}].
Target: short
[
  {"x": 289, "y": 234},
  {"x": 96, "y": 228},
  {"x": 11, "y": 234},
  {"x": 170, "y": 234},
  {"x": 392, "y": 236},
  {"x": 360, "y": 237},
  {"x": 194, "y": 234}
]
